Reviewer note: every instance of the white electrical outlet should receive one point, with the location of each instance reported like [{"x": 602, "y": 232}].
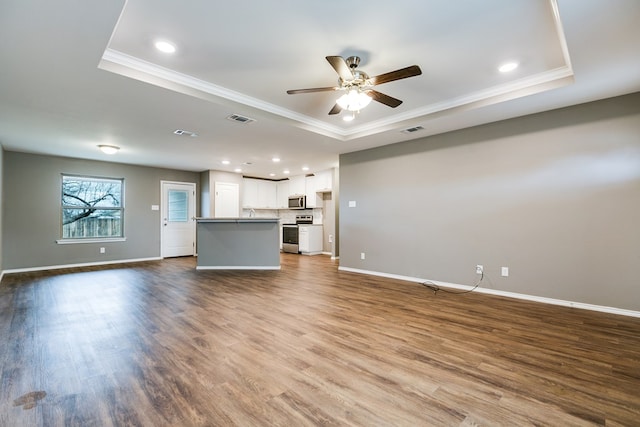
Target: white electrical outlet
[
  {"x": 505, "y": 271},
  {"x": 330, "y": 238},
  {"x": 352, "y": 203},
  {"x": 103, "y": 250},
  {"x": 361, "y": 255},
  {"x": 479, "y": 269}
]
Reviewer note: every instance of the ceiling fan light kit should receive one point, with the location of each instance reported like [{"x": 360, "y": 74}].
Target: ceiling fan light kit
[
  {"x": 359, "y": 86},
  {"x": 354, "y": 100}
]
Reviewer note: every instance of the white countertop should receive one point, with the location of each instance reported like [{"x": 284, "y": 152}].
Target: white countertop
[{"x": 237, "y": 220}]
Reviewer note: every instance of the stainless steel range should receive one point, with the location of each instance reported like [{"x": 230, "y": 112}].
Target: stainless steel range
[{"x": 290, "y": 236}]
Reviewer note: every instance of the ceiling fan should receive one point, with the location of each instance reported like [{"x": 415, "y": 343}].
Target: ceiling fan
[{"x": 358, "y": 86}]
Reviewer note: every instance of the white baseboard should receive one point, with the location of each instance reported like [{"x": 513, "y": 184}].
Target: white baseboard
[
  {"x": 86, "y": 264},
  {"x": 238, "y": 267},
  {"x": 572, "y": 304}
]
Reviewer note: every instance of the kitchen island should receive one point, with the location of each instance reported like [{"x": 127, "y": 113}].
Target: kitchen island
[{"x": 238, "y": 243}]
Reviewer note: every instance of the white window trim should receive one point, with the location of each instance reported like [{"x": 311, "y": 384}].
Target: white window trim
[
  {"x": 90, "y": 240},
  {"x": 63, "y": 241}
]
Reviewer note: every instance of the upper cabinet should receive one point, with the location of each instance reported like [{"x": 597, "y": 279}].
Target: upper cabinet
[
  {"x": 324, "y": 181},
  {"x": 297, "y": 186},
  {"x": 259, "y": 194},
  {"x": 249, "y": 193},
  {"x": 265, "y": 194},
  {"x": 312, "y": 196},
  {"x": 282, "y": 194}
]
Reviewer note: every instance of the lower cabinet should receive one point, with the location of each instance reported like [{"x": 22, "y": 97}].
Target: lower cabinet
[{"x": 310, "y": 239}]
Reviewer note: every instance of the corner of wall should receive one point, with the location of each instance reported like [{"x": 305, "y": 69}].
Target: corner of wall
[{"x": 1, "y": 205}]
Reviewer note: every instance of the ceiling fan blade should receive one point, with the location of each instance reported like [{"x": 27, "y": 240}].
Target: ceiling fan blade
[
  {"x": 340, "y": 65},
  {"x": 310, "y": 90},
  {"x": 384, "y": 99},
  {"x": 335, "y": 110},
  {"x": 402, "y": 73}
]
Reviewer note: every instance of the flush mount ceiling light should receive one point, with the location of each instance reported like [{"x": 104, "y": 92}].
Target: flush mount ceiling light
[
  {"x": 108, "y": 149},
  {"x": 508, "y": 66},
  {"x": 165, "y": 46}
]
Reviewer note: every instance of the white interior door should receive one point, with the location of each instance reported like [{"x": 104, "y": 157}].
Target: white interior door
[
  {"x": 178, "y": 219},
  {"x": 226, "y": 200}
]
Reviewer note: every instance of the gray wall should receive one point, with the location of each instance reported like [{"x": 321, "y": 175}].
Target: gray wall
[
  {"x": 1, "y": 203},
  {"x": 207, "y": 181},
  {"x": 31, "y": 211},
  {"x": 554, "y": 196}
]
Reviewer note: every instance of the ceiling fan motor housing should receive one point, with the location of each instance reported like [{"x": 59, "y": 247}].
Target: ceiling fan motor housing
[{"x": 353, "y": 61}]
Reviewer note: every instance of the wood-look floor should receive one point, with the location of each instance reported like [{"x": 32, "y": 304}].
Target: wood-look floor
[{"x": 161, "y": 344}]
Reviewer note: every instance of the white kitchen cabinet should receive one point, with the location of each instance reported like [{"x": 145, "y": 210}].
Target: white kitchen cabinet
[
  {"x": 310, "y": 239},
  {"x": 282, "y": 194},
  {"x": 297, "y": 185},
  {"x": 267, "y": 194},
  {"x": 310, "y": 191},
  {"x": 324, "y": 181},
  {"x": 249, "y": 193},
  {"x": 258, "y": 194}
]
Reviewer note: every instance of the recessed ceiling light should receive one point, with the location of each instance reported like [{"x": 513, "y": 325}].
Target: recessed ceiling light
[
  {"x": 272, "y": 174},
  {"x": 226, "y": 162},
  {"x": 275, "y": 159},
  {"x": 305, "y": 168},
  {"x": 508, "y": 66},
  {"x": 286, "y": 171},
  {"x": 109, "y": 149},
  {"x": 165, "y": 46},
  {"x": 238, "y": 170}
]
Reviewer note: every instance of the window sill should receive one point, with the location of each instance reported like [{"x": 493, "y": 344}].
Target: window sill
[{"x": 97, "y": 240}]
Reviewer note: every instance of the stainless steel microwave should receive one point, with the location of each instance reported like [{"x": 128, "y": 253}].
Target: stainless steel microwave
[{"x": 297, "y": 202}]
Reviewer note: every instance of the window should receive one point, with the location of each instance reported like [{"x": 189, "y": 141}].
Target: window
[
  {"x": 92, "y": 208},
  {"x": 178, "y": 206}
]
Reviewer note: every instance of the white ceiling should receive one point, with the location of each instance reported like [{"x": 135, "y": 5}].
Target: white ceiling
[{"x": 76, "y": 74}]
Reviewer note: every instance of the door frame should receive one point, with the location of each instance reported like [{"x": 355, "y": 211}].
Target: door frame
[{"x": 163, "y": 201}]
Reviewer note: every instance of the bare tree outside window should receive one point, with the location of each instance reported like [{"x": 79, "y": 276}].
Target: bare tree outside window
[{"x": 91, "y": 207}]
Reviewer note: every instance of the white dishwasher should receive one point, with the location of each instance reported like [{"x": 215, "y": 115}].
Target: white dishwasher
[{"x": 310, "y": 239}]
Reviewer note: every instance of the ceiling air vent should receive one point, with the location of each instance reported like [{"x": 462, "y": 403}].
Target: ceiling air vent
[
  {"x": 413, "y": 129},
  {"x": 240, "y": 119},
  {"x": 182, "y": 132}
]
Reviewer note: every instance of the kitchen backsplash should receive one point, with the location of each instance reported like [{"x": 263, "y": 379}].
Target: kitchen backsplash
[{"x": 287, "y": 216}]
